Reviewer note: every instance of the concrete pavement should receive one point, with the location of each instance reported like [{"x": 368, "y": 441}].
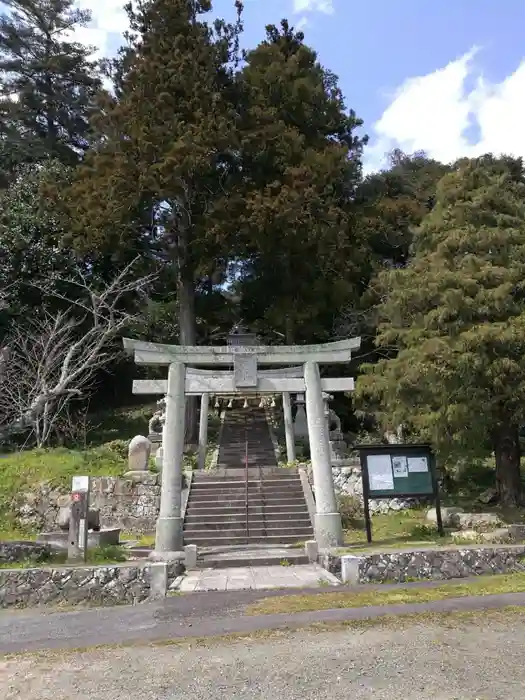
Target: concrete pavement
[{"x": 244, "y": 578}]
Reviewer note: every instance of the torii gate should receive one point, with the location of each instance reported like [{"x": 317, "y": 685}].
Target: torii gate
[{"x": 246, "y": 378}]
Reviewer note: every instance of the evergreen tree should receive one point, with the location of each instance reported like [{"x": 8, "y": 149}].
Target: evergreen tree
[
  {"x": 391, "y": 203},
  {"x": 160, "y": 178},
  {"x": 31, "y": 235},
  {"x": 301, "y": 163},
  {"x": 456, "y": 317},
  {"x": 47, "y": 83}
]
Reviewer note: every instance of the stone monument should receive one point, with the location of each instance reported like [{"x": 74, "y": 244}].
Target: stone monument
[{"x": 139, "y": 451}]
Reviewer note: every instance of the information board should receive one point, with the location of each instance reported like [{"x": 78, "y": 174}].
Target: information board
[{"x": 398, "y": 471}]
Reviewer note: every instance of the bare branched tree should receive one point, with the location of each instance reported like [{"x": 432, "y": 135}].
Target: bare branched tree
[{"x": 52, "y": 360}]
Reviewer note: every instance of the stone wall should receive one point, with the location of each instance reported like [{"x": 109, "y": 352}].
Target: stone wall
[
  {"x": 12, "y": 551},
  {"x": 102, "y": 585},
  {"x": 435, "y": 564},
  {"x": 125, "y": 503},
  {"x": 347, "y": 481}
]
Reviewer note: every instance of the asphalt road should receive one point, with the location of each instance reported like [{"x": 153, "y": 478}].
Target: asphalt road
[
  {"x": 465, "y": 659},
  {"x": 192, "y": 615}
]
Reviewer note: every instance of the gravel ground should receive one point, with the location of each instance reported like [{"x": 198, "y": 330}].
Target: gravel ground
[{"x": 459, "y": 658}]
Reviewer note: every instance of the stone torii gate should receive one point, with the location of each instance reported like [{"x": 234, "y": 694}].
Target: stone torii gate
[{"x": 246, "y": 378}]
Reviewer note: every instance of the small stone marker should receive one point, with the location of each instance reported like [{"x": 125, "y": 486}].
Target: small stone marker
[
  {"x": 158, "y": 578},
  {"x": 311, "y": 549},
  {"x": 190, "y": 556},
  {"x": 78, "y": 520},
  {"x": 138, "y": 454}
]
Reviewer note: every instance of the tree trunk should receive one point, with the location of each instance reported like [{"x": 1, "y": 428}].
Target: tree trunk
[
  {"x": 508, "y": 456},
  {"x": 187, "y": 330},
  {"x": 188, "y": 336}
]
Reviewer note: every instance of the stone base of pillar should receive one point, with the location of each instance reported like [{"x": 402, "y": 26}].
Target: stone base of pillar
[
  {"x": 328, "y": 530},
  {"x": 166, "y": 557},
  {"x": 169, "y": 535}
]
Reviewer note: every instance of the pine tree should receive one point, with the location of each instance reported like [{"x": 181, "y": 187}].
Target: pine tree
[
  {"x": 47, "y": 83},
  {"x": 456, "y": 317},
  {"x": 301, "y": 163}
]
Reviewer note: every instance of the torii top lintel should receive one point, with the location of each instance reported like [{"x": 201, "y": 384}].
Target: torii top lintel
[{"x": 160, "y": 354}]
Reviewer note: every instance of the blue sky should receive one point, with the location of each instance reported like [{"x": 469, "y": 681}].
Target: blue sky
[{"x": 446, "y": 77}]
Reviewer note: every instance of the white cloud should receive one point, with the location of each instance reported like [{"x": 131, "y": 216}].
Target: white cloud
[
  {"x": 325, "y": 6},
  {"x": 108, "y": 18},
  {"x": 434, "y": 113},
  {"x": 302, "y": 24}
]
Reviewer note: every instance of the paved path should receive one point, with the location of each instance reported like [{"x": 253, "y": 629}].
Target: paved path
[
  {"x": 257, "y": 578},
  {"x": 195, "y": 615},
  {"x": 482, "y": 659}
]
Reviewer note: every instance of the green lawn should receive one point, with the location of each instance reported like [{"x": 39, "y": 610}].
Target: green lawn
[
  {"x": 405, "y": 528},
  {"x": 484, "y": 585}
]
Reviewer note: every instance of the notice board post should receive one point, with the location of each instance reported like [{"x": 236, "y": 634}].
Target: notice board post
[{"x": 398, "y": 471}]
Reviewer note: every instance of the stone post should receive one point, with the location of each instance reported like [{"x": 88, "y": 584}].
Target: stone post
[
  {"x": 288, "y": 427},
  {"x": 168, "y": 538},
  {"x": 328, "y": 530},
  {"x": 203, "y": 431},
  {"x": 300, "y": 426}
]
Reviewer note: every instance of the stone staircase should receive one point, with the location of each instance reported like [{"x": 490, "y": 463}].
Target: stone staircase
[
  {"x": 261, "y": 505},
  {"x": 246, "y": 431}
]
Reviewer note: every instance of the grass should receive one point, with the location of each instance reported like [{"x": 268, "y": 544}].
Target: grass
[
  {"x": 485, "y": 585},
  {"x": 21, "y": 471},
  {"x": 100, "y": 555},
  {"x": 106, "y": 455},
  {"x": 393, "y": 530},
  {"x": 143, "y": 540}
]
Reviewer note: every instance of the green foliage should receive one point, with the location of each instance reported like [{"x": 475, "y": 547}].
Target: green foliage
[
  {"x": 351, "y": 511},
  {"x": 393, "y": 202},
  {"x": 31, "y": 233},
  {"x": 455, "y": 316},
  {"x": 47, "y": 83},
  {"x": 159, "y": 182},
  {"x": 301, "y": 163}
]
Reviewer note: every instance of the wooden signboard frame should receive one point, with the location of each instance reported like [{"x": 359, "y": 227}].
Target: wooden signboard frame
[{"x": 398, "y": 471}]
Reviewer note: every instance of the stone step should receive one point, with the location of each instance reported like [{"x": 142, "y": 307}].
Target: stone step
[
  {"x": 266, "y": 481},
  {"x": 230, "y": 511},
  {"x": 239, "y": 515},
  {"x": 254, "y": 523},
  {"x": 216, "y": 475},
  {"x": 255, "y": 531},
  {"x": 254, "y": 491},
  {"x": 233, "y": 562},
  {"x": 215, "y": 562},
  {"x": 239, "y": 473},
  {"x": 280, "y": 501},
  {"x": 208, "y": 541}
]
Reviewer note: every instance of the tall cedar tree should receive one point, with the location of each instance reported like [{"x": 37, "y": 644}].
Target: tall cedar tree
[
  {"x": 456, "y": 314},
  {"x": 301, "y": 163},
  {"x": 160, "y": 177},
  {"x": 47, "y": 83}
]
